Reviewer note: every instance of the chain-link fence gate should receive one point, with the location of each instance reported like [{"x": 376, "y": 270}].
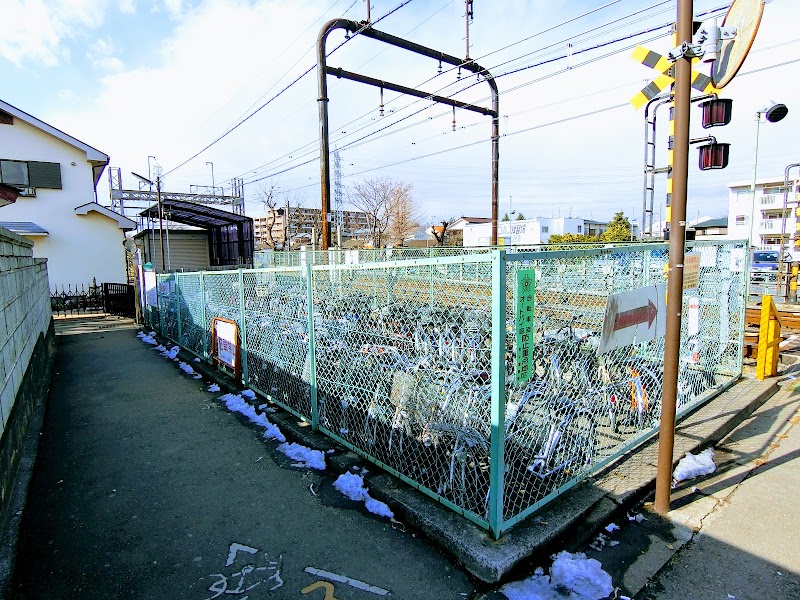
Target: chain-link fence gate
[{"x": 411, "y": 363}]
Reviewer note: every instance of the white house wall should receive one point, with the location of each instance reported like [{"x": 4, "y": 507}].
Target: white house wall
[{"x": 79, "y": 247}]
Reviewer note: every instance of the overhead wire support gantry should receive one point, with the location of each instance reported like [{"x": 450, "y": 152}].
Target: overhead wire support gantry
[{"x": 365, "y": 29}]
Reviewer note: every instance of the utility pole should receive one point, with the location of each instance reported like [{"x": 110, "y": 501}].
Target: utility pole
[
  {"x": 160, "y": 224},
  {"x": 677, "y": 235},
  {"x": 468, "y": 17}
]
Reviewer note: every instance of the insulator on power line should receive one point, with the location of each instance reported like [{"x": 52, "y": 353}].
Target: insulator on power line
[
  {"x": 458, "y": 75},
  {"x": 440, "y": 67},
  {"x": 381, "y": 105},
  {"x": 454, "y": 118}
]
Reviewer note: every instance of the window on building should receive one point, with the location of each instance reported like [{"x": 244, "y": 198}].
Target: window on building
[
  {"x": 34, "y": 174},
  {"x": 545, "y": 229},
  {"x": 14, "y": 172},
  {"x": 741, "y": 219},
  {"x": 580, "y": 228},
  {"x": 774, "y": 190}
]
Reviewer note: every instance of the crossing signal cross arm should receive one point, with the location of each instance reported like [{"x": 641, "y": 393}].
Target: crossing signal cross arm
[{"x": 663, "y": 65}]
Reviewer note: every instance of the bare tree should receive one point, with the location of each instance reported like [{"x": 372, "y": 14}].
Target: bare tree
[
  {"x": 404, "y": 216},
  {"x": 382, "y": 200},
  {"x": 267, "y": 196}
]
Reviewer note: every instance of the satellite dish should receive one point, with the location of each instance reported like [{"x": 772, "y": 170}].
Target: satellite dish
[
  {"x": 130, "y": 245},
  {"x": 745, "y": 16}
]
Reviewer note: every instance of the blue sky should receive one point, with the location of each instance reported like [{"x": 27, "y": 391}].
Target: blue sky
[{"x": 165, "y": 78}]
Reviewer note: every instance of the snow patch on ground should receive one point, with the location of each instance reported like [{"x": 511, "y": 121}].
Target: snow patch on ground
[
  {"x": 272, "y": 432},
  {"x": 236, "y": 403},
  {"x": 695, "y": 465},
  {"x": 186, "y": 368},
  {"x": 213, "y": 388},
  {"x": 313, "y": 459},
  {"x": 572, "y": 577},
  {"x": 147, "y": 338},
  {"x": 171, "y": 353},
  {"x": 352, "y": 486},
  {"x": 249, "y": 394}
]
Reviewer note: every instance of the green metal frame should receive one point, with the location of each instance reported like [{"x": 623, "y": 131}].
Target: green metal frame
[
  {"x": 497, "y": 460},
  {"x": 312, "y": 367}
]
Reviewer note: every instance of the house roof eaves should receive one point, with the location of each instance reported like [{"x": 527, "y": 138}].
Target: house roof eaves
[
  {"x": 93, "y": 155},
  {"x": 125, "y": 223},
  {"x": 24, "y": 228}
]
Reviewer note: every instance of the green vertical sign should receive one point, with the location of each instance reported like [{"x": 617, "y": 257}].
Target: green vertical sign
[{"x": 526, "y": 287}]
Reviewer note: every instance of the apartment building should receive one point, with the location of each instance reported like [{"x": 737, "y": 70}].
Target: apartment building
[
  {"x": 299, "y": 223},
  {"x": 762, "y": 217}
]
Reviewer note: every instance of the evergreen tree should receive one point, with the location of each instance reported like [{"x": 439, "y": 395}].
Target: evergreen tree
[{"x": 619, "y": 229}]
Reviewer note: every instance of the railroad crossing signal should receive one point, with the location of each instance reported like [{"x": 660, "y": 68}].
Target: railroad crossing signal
[{"x": 700, "y": 82}]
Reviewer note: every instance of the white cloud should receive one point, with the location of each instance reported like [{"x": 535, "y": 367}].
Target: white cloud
[
  {"x": 127, "y": 7},
  {"x": 35, "y": 30},
  {"x": 174, "y": 7},
  {"x": 101, "y": 55},
  {"x": 68, "y": 96}
]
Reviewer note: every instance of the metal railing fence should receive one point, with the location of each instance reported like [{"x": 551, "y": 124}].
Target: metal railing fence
[
  {"x": 411, "y": 363},
  {"x": 298, "y": 258}
]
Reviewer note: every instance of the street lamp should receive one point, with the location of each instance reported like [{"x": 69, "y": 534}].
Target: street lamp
[
  {"x": 773, "y": 112},
  {"x": 213, "y": 188}
]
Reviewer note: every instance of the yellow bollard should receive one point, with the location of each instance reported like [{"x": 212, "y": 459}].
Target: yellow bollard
[{"x": 769, "y": 337}]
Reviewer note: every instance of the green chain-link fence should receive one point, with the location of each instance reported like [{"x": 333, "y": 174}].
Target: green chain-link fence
[{"x": 412, "y": 363}]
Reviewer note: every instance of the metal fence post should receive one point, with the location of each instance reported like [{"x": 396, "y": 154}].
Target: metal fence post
[
  {"x": 243, "y": 329},
  {"x": 497, "y": 462},
  {"x": 312, "y": 354},
  {"x": 203, "y": 314},
  {"x": 178, "y": 297},
  {"x": 161, "y": 327}
]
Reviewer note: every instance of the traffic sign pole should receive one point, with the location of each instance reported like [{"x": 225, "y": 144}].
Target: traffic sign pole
[{"x": 677, "y": 234}]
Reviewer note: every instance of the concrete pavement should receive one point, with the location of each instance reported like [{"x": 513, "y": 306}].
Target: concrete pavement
[{"x": 147, "y": 487}]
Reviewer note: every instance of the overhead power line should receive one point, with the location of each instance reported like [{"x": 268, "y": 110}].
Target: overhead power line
[
  {"x": 296, "y": 80},
  {"x": 560, "y": 43}
]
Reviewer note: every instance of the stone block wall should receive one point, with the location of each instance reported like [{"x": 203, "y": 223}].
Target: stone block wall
[{"x": 24, "y": 315}]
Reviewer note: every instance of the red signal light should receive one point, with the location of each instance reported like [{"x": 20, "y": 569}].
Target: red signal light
[
  {"x": 716, "y": 112},
  {"x": 714, "y": 156}
]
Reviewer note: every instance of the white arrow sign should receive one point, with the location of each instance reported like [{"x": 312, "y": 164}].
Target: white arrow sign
[{"x": 634, "y": 317}]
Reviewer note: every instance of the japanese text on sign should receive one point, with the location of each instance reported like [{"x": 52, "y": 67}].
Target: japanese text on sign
[
  {"x": 691, "y": 270},
  {"x": 226, "y": 343},
  {"x": 526, "y": 286}
]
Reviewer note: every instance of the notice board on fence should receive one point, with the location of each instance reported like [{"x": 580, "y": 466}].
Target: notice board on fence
[{"x": 225, "y": 348}]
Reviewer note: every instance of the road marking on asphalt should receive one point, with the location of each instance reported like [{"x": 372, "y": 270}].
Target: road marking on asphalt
[
  {"x": 237, "y": 548},
  {"x": 326, "y": 585},
  {"x": 359, "y": 585}
]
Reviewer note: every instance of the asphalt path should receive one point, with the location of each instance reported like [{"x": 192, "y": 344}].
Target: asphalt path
[{"x": 147, "y": 487}]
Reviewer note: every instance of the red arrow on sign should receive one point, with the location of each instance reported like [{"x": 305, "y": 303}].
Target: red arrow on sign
[{"x": 636, "y": 316}]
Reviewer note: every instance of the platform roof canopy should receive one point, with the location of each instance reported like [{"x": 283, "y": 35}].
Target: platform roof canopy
[
  {"x": 193, "y": 213},
  {"x": 230, "y": 235}
]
